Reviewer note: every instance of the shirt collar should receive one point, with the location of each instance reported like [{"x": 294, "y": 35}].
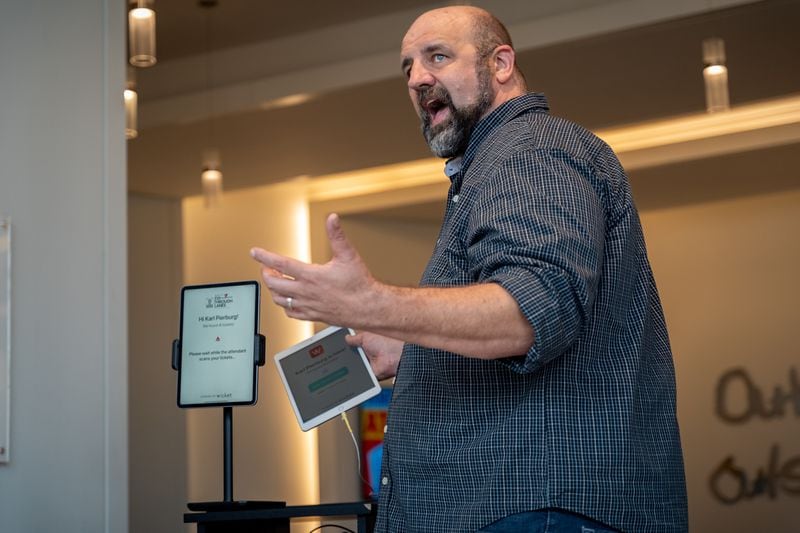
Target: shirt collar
[
  {"x": 530, "y": 102},
  {"x": 453, "y": 166}
]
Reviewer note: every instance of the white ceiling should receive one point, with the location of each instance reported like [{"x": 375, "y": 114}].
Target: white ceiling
[{"x": 601, "y": 62}]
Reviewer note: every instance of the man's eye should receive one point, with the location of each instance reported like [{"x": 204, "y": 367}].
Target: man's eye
[{"x": 438, "y": 58}]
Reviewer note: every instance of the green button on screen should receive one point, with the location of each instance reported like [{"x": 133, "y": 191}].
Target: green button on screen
[{"x": 327, "y": 380}]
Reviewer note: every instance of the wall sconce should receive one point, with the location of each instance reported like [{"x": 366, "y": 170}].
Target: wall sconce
[
  {"x": 715, "y": 75},
  {"x": 142, "y": 34},
  {"x": 211, "y": 178}
]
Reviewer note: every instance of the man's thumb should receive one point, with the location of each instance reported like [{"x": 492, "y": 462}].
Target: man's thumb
[{"x": 340, "y": 246}]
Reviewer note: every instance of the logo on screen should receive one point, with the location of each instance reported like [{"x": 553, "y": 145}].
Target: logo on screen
[
  {"x": 219, "y": 301},
  {"x": 316, "y": 351}
]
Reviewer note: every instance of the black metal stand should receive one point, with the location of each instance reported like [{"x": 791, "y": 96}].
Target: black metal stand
[
  {"x": 249, "y": 516},
  {"x": 227, "y": 435},
  {"x": 228, "y": 503}
]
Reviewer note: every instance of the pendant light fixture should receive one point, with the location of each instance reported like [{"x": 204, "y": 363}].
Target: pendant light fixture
[
  {"x": 211, "y": 176},
  {"x": 142, "y": 33},
  {"x": 715, "y": 75},
  {"x": 131, "y": 104}
]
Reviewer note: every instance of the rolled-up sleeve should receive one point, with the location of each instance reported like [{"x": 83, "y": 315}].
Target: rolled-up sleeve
[{"x": 537, "y": 229}]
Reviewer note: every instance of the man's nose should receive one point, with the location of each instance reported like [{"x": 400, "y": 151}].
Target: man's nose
[{"x": 419, "y": 77}]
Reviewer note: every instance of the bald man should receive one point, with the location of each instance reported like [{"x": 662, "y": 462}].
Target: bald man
[{"x": 534, "y": 385}]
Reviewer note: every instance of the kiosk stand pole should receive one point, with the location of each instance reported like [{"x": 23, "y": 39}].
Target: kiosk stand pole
[
  {"x": 228, "y": 504},
  {"x": 227, "y": 435}
]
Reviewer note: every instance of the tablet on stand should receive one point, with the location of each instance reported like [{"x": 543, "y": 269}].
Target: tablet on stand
[{"x": 217, "y": 357}]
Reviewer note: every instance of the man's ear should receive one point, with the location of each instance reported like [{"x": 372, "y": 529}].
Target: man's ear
[{"x": 504, "y": 59}]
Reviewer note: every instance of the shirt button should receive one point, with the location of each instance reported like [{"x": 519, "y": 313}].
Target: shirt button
[
  {"x": 385, "y": 429},
  {"x": 455, "y": 198},
  {"x": 385, "y": 481}
]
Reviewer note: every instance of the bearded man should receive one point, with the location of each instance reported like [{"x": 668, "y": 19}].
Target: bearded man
[{"x": 534, "y": 385}]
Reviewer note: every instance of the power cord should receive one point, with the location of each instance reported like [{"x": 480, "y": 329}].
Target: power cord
[
  {"x": 358, "y": 453},
  {"x": 358, "y": 462}
]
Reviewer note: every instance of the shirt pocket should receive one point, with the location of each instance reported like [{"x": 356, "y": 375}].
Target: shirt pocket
[{"x": 449, "y": 263}]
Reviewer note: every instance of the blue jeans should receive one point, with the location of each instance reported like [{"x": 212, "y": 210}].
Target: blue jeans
[{"x": 546, "y": 521}]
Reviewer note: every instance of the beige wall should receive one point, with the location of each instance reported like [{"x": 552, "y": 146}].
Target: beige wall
[
  {"x": 157, "y": 427},
  {"x": 273, "y": 458},
  {"x": 395, "y": 250},
  {"x": 727, "y": 273}
]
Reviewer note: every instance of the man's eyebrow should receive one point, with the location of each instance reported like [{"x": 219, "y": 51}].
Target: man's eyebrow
[
  {"x": 428, "y": 50},
  {"x": 434, "y": 48}
]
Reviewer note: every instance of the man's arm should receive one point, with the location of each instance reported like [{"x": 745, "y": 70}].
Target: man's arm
[{"x": 480, "y": 320}]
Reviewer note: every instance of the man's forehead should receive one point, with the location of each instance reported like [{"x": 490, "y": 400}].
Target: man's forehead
[{"x": 445, "y": 25}]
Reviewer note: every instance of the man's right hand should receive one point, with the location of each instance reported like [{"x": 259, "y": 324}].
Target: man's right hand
[{"x": 383, "y": 352}]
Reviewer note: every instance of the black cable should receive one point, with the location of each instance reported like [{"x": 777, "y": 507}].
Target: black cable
[{"x": 332, "y": 525}]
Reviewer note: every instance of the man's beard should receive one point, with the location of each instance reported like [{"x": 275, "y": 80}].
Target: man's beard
[{"x": 451, "y": 137}]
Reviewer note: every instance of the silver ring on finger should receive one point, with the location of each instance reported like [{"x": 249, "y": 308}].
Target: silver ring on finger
[{"x": 289, "y": 302}]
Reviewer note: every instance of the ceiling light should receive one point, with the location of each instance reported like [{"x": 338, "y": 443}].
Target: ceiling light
[
  {"x": 287, "y": 101},
  {"x": 715, "y": 75},
  {"x": 131, "y": 103},
  {"x": 142, "y": 34},
  {"x": 211, "y": 178},
  {"x": 130, "y": 113}
]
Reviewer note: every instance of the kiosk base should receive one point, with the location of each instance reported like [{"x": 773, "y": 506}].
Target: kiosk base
[
  {"x": 276, "y": 519},
  {"x": 240, "y": 505}
]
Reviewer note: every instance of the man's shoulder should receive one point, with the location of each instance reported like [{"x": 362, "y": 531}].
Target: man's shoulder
[
  {"x": 542, "y": 132},
  {"x": 534, "y": 138}
]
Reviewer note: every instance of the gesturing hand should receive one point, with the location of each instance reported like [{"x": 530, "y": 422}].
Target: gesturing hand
[{"x": 335, "y": 293}]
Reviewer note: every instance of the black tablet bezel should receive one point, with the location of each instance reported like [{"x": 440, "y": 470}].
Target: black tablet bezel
[{"x": 254, "y": 376}]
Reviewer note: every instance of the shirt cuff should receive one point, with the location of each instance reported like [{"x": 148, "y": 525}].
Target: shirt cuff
[{"x": 554, "y": 328}]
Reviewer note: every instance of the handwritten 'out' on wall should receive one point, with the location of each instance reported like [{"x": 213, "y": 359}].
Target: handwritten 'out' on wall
[{"x": 729, "y": 482}]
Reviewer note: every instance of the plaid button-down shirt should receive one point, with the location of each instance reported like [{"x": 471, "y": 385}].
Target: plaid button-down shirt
[{"x": 585, "y": 421}]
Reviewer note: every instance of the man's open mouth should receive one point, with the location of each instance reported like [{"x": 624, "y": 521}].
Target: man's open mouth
[{"x": 435, "y": 108}]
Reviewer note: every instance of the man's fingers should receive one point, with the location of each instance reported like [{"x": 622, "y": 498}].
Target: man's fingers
[
  {"x": 267, "y": 272},
  {"x": 279, "y": 263},
  {"x": 282, "y": 286},
  {"x": 269, "y": 259},
  {"x": 258, "y": 254},
  {"x": 278, "y": 299},
  {"x": 354, "y": 340},
  {"x": 340, "y": 246}
]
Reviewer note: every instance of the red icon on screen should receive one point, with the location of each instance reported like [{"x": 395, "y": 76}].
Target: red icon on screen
[{"x": 316, "y": 351}]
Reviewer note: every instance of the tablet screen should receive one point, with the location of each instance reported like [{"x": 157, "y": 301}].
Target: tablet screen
[
  {"x": 218, "y": 327},
  {"x": 324, "y": 376}
]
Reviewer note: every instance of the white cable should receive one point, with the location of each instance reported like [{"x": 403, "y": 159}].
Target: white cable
[
  {"x": 358, "y": 453},
  {"x": 355, "y": 442}
]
